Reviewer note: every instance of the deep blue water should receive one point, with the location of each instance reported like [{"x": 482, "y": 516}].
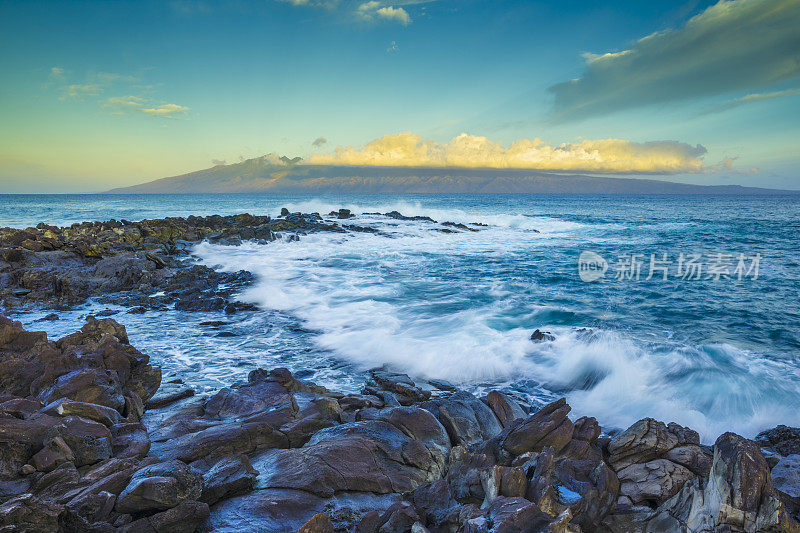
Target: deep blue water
[{"x": 715, "y": 354}]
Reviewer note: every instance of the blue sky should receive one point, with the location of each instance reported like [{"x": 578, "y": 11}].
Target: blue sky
[{"x": 101, "y": 94}]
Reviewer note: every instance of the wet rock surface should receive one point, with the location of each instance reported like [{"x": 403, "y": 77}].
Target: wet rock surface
[
  {"x": 91, "y": 440},
  {"x": 127, "y": 263},
  {"x": 276, "y": 453}
]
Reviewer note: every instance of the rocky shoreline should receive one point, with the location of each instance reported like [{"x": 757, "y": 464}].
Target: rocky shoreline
[
  {"x": 92, "y": 439},
  {"x": 127, "y": 263}
]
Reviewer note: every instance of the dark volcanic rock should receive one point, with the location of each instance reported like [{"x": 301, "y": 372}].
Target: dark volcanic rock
[
  {"x": 647, "y": 439},
  {"x": 783, "y": 439},
  {"x": 271, "y": 410},
  {"x": 183, "y": 518},
  {"x": 276, "y": 453},
  {"x": 64, "y": 266},
  {"x": 160, "y": 486},
  {"x": 466, "y": 419},
  {"x": 542, "y": 336},
  {"x": 399, "y": 216},
  {"x": 230, "y": 476},
  {"x": 169, "y": 393},
  {"x": 401, "y": 386},
  {"x": 30, "y": 514},
  {"x": 394, "y": 451}
]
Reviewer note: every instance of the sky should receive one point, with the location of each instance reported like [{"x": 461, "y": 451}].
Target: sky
[{"x": 96, "y": 95}]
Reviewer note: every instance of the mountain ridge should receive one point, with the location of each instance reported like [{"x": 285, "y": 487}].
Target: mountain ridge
[{"x": 283, "y": 175}]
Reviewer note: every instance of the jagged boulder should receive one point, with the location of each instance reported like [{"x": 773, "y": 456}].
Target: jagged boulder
[
  {"x": 738, "y": 495},
  {"x": 547, "y": 427},
  {"x": 646, "y": 440}
]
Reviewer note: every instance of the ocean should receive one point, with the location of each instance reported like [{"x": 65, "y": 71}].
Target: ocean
[{"x": 691, "y": 314}]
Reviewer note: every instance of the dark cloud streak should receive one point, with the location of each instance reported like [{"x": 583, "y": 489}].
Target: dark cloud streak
[{"x": 733, "y": 45}]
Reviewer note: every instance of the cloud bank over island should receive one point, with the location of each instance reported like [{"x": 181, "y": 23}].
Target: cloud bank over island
[{"x": 472, "y": 151}]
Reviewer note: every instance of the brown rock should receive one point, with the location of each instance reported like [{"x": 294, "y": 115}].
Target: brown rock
[
  {"x": 505, "y": 408},
  {"x": 514, "y": 482},
  {"x": 586, "y": 428},
  {"x": 86, "y": 385},
  {"x": 319, "y": 523},
  {"x": 512, "y": 515},
  {"x": 466, "y": 419},
  {"x": 366, "y": 456},
  {"x": 646, "y": 440},
  {"x": 55, "y": 452},
  {"x": 89, "y": 411},
  {"x": 547, "y": 427}
]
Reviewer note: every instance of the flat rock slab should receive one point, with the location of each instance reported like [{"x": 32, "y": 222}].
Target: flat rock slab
[
  {"x": 286, "y": 510},
  {"x": 168, "y": 394}
]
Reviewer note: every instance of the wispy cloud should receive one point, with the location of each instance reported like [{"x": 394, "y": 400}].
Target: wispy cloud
[
  {"x": 165, "y": 110},
  {"x": 123, "y": 105},
  {"x": 109, "y": 78},
  {"x": 750, "y": 99},
  {"x": 319, "y": 141},
  {"x": 471, "y": 151},
  {"x": 124, "y": 101},
  {"x": 733, "y": 45},
  {"x": 313, "y": 3},
  {"x": 99, "y": 83},
  {"x": 79, "y": 91}
]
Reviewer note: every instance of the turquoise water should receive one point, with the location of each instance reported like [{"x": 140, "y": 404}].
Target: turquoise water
[{"x": 716, "y": 355}]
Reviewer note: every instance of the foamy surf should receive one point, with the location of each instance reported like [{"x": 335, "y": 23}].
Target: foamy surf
[{"x": 462, "y": 306}]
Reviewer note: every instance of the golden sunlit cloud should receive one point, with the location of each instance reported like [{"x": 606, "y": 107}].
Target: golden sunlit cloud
[
  {"x": 165, "y": 110},
  {"x": 373, "y": 9},
  {"x": 472, "y": 151},
  {"x": 125, "y": 101}
]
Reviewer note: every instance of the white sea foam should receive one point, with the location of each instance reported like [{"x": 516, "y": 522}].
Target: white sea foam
[
  {"x": 522, "y": 221},
  {"x": 354, "y": 291}
]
